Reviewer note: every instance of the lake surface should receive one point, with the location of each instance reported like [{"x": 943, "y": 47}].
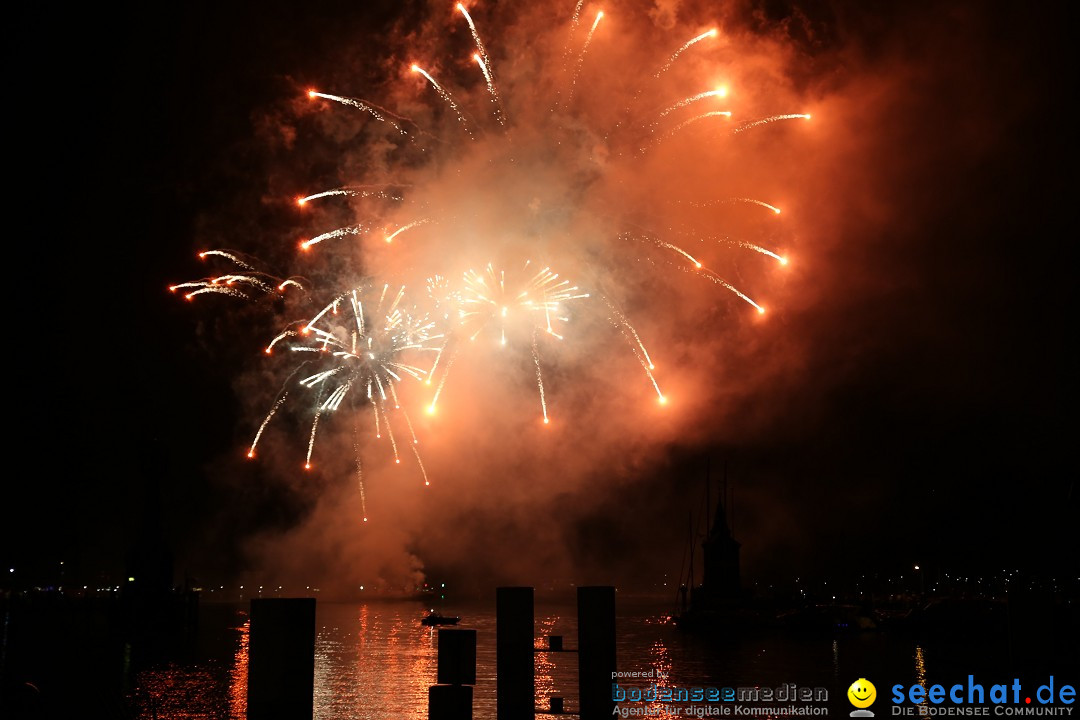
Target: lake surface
[{"x": 375, "y": 661}]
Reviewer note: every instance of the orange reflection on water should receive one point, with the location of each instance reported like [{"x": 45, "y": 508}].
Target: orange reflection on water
[
  {"x": 544, "y": 667},
  {"x": 660, "y": 664},
  {"x": 174, "y": 692},
  {"x": 208, "y": 689},
  {"x": 238, "y": 673},
  {"x": 371, "y": 658},
  {"x": 423, "y": 665}
]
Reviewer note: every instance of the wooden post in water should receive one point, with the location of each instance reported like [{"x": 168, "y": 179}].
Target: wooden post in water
[
  {"x": 451, "y": 699},
  {"x": 281, "y": 660},
  {"x": 457, "y": 657},
  {"x": 596, "y": 651},
  {"x": 515, "y": 681}
]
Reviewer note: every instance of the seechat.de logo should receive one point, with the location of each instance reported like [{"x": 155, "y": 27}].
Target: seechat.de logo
[{"x": 862, "y": 694}]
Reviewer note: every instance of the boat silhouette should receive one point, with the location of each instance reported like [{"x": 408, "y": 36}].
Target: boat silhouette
[{"x": 433, "y": 618}]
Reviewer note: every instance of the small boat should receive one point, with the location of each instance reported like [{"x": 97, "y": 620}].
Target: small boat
[{"x": 432, "y": 619}]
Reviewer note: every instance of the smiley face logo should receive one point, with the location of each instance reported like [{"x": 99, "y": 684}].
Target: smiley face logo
[{"x": 862, "y": 693}]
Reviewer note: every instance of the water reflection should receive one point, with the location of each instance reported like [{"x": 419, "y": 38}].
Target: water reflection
[
  {"x": 238, "y": 673},
  {"x": 660, "y": 664},
  {"x": 371, "y": 658},
  {"x": 545, "y": 663},
  {"x": 175, "y": 692},
  {"x": 377, "y": 661},
  {"x": 920, "y": 670}
]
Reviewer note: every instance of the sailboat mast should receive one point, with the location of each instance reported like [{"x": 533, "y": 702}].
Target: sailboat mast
[
  {"x": 731, "y": 511},
  {"x": 693, "y": 541},
  {"x": 708, "y": 494},
  {"x": 727, "y": 505}
]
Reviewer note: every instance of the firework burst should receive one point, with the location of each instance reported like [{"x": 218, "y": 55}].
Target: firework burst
[
  {"x": 356, "y": 351},
  {"x": 528, "y": 196}
]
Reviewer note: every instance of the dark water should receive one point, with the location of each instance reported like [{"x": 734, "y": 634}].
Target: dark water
[{"x": 376, "y": 661}]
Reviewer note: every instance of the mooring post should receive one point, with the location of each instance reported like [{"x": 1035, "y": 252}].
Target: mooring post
[
  {"x": 452, "y": 698},
  {"x": 281, "y": 658},
  {"x": 596, "y": 651},
  {"x": 514, "y": 654}
]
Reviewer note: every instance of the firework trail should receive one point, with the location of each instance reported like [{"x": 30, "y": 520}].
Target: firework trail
[
  {"x": 209, "y": 288},
  {"x": 663, "y": 69},
  {"x": 476, "y": 36},
  {"x": 636, "y": 346},
  {"x": 724, "y": 283},
  {"x": 770, "y": 119},
  {"x": 390, "y": 434},
  {"x": 420, "y": 464},
  {"x": 685, "y": 46},
  {"x": 500, "y": 114},
  {"x": 764, "y": 251},
  {"x": 408, "y": 226},
  {"x": 444, "y": 95},
  {"x": 625, "y": 325},
  {"x": 239, "y": 285},
  {"x": 727, "y": 201},
  {"x": 540, "y": 380},
  {"x": 745, "y": 244},
  {"x": 378, "y": 191},
  {"x": 380, "y": 114},
  {"x": 719, "y": 92},
  {"x": 333, "y": 235},
  {"x": 759, "y": 203},
  {"x": 663, "y": 244},
  {"x": 484, "y": 61},
  {"x": 682, "y": 126},
  {"x": 581, "y": 57},
  {"x": 228, "y": 256},
  {"x": 265, "y": 422},
  {"x": 575, "y": 18},
  {"x": 408, "y": 424},
  {"x": 442, "y": 384},
  {"x": 359, "y": 469},
  {"x": 311, "y": 440}
]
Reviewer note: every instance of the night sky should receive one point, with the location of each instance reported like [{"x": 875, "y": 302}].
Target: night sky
[{"x": 922, "y": 412}]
